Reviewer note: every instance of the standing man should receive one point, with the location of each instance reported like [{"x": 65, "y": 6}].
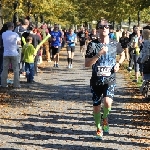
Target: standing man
[
  {"x": 101, "y": 55},
  {"x": 10, "y": 42},
  {"x": 82, "y": 39},
  {"x": 44, "y": 32},
  {"x": 56, "y": 40}
]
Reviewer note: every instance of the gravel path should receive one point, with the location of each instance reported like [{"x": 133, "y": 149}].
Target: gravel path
[{"x": 55, "y": 113}]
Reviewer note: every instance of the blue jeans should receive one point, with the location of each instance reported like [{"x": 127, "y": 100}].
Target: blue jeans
[
  {"x": 136, "y": 65},
  {"x": 29, "y": 69}
]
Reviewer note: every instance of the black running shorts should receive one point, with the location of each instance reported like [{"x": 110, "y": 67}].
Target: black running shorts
[
  {"x": 82, "y": 43},
  {"x": 55, "y": 50},
  {"x": 106, "y": 90}
]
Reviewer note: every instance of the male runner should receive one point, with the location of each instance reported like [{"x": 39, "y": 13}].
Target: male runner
[
  {"x": 82, "y": 39},
  {"x": 56, "y": 40},
  {"x": 101, "y": 55}
]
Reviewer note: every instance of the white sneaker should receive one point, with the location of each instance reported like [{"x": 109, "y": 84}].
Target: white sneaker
[{"x": 71, "y": 66}]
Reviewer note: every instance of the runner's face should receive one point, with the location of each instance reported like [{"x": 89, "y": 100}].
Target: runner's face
[
  {"x": 71, "y": 31},
  {"x": 56, "y": 27},
  {"x": 104, "y": 28}
]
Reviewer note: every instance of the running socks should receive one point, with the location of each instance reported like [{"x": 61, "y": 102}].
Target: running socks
[
  {"x": 106, "y": 112},
  {"x": 97, "y": 118},
  {"x": 69, "y": 60}
]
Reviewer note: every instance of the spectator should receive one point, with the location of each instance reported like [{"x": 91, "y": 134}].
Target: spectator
[
  {"x": 10, "y": 42},
  {"x": 134, "y": 52},
  {"x": 124, "y": 40},
  {"x": 29, "y": 53},
  {"x": 4, "y": 28},
  {"x": 44, "y": 32}
]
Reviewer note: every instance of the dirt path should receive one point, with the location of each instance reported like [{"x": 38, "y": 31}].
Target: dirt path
[{"x": 55, "y": 113}]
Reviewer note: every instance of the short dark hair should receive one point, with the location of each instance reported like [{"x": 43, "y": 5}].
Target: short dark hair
[
  {"x": 10, "y": 24},
  {"x": 29, "y": 38}
]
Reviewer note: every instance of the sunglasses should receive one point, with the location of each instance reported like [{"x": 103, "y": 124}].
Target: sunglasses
[{"x": 104, "y": 26}]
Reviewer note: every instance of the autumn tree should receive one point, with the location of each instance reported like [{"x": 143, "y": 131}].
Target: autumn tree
[{"x": 77, "y": 11}]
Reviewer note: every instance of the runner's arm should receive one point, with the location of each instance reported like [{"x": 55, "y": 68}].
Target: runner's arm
[
  {"x": 91, "y": 57},
  {"x": 90, "y": 61}
]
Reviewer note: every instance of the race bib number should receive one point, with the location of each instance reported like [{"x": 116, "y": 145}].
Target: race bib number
[{"x": 104, "y": 71}]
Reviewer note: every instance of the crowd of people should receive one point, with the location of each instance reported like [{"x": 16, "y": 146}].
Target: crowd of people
[
  {"x": 19, "y": 47},
  {"x": 25, "y": 48}
]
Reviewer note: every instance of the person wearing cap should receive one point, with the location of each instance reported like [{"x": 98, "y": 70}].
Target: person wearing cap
[
  {"x": 11, "y": 40},
  {"x": 56, "y": 40},
  {"x": 101, "y": 55}
]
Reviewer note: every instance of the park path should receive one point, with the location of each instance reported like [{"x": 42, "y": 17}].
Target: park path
[{"x": 55, "y": 113}]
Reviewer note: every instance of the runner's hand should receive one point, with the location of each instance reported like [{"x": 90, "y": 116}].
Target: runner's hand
[{"x": 116, "y": 68}]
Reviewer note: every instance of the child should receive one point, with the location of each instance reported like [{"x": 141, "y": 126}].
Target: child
[{"x": 29, "y": 53}]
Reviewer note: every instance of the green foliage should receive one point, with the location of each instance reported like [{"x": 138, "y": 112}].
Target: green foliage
[{"x": 77, "y": 11}]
